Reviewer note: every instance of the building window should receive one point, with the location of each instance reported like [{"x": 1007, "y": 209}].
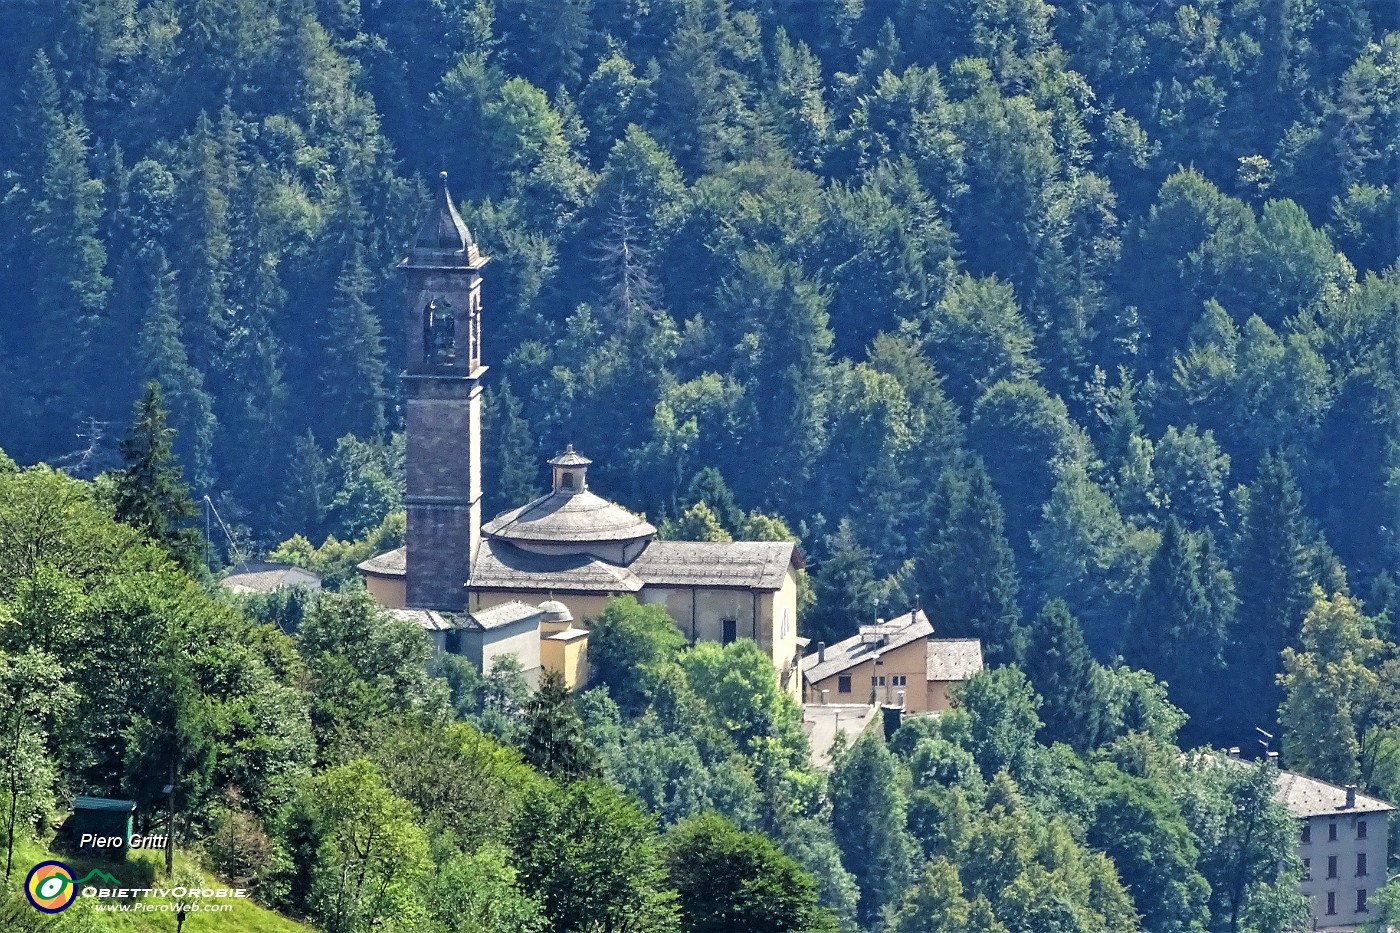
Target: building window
[
  {"x": 1361, "y": 864},
  {"x": 731, "y": 630},
  {"x": 1361, "y": 907},
  {"x": 1360, "y": 829},
  {"x": 439, "y": 332},
  {"x": 1307, "y": 832},
  {"x": 1307, "y": 869},
  {"x": 898, "y": 680},
  {"x": 567, "y": 480},
  {"x": 1331, "y": 902},
  {"x": 1332, "y": 831},
  {"x": 843, "y": 683},
  {"x": 877, "y": 681},
  {"x": 1331, "y": 866}
]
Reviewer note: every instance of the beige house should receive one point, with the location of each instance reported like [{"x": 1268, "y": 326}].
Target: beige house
[
  {"x": 892, "y": 662},
  {"x": 1343, "y": 841}
]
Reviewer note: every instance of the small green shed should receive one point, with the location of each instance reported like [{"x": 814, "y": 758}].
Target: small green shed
[{"x": 102, "y": 826}]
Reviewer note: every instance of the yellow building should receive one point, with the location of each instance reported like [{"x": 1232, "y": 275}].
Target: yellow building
[
  {"x": 895, "y": 662},
  {"x": 577, "y": 549},
  {"x": 570, "y": 547}
]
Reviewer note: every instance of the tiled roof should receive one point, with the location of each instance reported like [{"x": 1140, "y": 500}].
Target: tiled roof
[
  {"x": 846, "y": 654},
  {"x": 750, "y": 565},
  {"x": 502, "y": 566},
  {"x": 570, "y": 457},
  {"x": 953, "y": 659},
  {"x": 1304, "y": 797},
  {"x": 429, "y": 620},
  {"x": 564, "y": 518},
  {"x": 252, "y": 576},
  {"x": 484, "y": 620},
  {"x": 389, "y": 564}
]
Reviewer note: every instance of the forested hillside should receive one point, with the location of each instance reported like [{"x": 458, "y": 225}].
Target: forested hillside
[
  {"x": 1078, "y": 323},
  {"x": 1093, "y": 300}
]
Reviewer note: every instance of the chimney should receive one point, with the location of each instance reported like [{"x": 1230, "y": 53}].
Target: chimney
[
  {"x": 826, "y": 697},
  {"x": 1273, "y": 758},
  {"x": 1351, "y": 797},
  {"x": 1234, "y": 752},
  {"x": 900, "y": 694},
  {"x": 821, "y": 652}
]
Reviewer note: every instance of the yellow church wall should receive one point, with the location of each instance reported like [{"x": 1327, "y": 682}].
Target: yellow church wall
[
  {"x": 700, "y": 613},
  {"x": 389, "y": 592},
  {"x": 583, "y": 607},
  {"x": 569, "y": 658}
]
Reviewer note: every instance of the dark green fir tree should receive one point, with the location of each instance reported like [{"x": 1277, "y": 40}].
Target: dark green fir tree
[
  {"x": 149, "y": 491},
  {"x": 966, "y": 573},
  {"x": 1064, "y": 673}
]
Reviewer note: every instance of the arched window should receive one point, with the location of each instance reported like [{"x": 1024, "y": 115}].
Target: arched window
[{"x": 439, "y": 332}]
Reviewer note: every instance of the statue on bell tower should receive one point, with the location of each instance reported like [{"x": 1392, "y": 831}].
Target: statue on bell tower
[{"x": 442, "y": 379}]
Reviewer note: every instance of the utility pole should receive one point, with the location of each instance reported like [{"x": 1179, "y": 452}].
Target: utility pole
[{"x": 170, "y": 823}]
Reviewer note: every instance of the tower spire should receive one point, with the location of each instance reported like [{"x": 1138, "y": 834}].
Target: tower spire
[
  {"x": 442, "y": 382},
  {"x": 443, "y": 238}
]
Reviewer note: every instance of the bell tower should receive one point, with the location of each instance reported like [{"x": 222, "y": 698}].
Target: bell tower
[{"x": 442, "y": 381}]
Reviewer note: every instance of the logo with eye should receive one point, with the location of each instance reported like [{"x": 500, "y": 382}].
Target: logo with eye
[{"x": 50, "y": 887}]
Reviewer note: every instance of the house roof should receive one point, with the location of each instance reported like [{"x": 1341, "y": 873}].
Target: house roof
[
  {"x": 569, "y": 634},
  {"x": 846, "y": 654},
  {"x": 389, "y": 564},
  {"x": 262, "y": 577},
  {"x": 103, "y": 803},
  {"x": 750, "y": 565},
  {"x": 1307, "y": 797},
  {"x": 569, "y": 517},
  {"x": 485, "y": 620},
  {"x": 429, "y": 620},
  {"x": 953, "y": 659},
  {"x": 502, "y": 566}
]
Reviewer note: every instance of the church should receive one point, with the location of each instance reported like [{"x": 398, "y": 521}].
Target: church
[{"x": 528, "y": 581}]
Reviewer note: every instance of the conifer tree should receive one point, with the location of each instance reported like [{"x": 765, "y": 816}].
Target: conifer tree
[
  {"x": 868, "y": 809},
  {"x": 1063, "y": 672},
  {"x": 709, "y": 487},
  {"x": 1275, "y": 589},
  {"x": 148, "y": 491},
  {"x": 164, "y": 361},
  {"x": 510, "y": 465},
  {"x": 846, "y": 590},
  {"x": 966, "y": 573},
  {"x": 1179, "y": 628},
  {"x": 352, "y": 370},
  {"x": 552, "y": 736}
]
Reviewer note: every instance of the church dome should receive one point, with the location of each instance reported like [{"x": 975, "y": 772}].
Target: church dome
[
  {"x": 567, "y": 518},
  {"x": 570, "y": 514},
  {"x": 552, "y": 610}
]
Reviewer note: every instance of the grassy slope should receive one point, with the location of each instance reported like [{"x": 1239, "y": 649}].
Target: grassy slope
[{"x": 139, "y": 870}]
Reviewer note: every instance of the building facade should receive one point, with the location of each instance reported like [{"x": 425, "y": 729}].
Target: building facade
[
  {"x": 1343, "y": 841},
  {"x": 898, "y": 662}
]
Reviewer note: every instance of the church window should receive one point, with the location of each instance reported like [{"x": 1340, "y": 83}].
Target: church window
[{"x": 439, "y": 332}]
